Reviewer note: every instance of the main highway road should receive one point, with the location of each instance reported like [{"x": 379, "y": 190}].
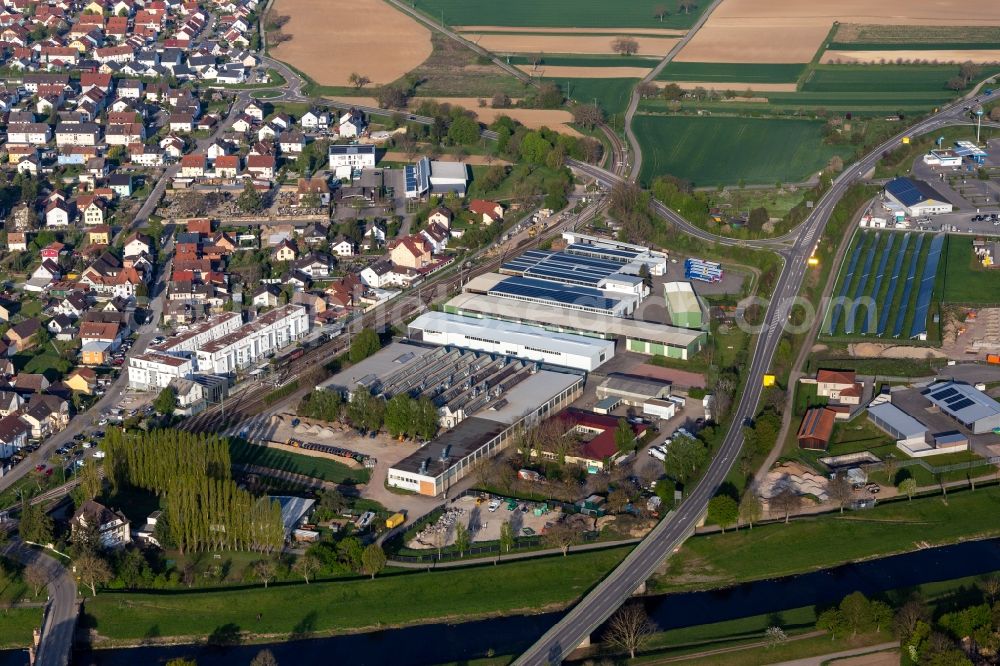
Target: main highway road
[{"x": 588, "y": 614}]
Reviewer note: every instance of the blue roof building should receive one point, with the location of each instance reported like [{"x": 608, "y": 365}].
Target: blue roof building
[{"x": 916, "y": 197}]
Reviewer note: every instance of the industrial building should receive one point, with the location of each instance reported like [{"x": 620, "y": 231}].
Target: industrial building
[
  {"x": 576, "y": 269},
  {"x": 427, "y": 177},
  {"x": 635, "y": 256},
  {"x": 651, "y": 395},
  {"x": 969, "y": 406},
  {"x": 554, "y": 294},
  {"x": 483, "y": 401},
  {"x": 254, "y": 341},
  {"x": 639, "y": 336},
  {"x": 701, "y": 270},
  {"x": 916, "y": 197},
  {"x": 816, "y": 429},
  {"x": 908, "y": 432},
  {"x": 517, "y": 340},
  {"x": 943, "y": 158},
  {"x": 685, "y": 307}
]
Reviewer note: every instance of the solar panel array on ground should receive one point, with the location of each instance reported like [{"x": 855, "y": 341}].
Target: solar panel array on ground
[
  {"x": 869, "y": 293},
  {"x": 554, "y": 292},
  {"x": 561, "y": 267}
]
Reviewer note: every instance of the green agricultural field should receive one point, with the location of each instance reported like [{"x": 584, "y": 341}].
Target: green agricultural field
[
  {"x": 736, "y": 72},
  {"x": 721, "y": 150},
  {"x": 559, "y": 13},
  {"x": 330, "y": 606},
  {"x": 881, "y": 78},
  {"x": 571, "y": 60},
  {"x": 965, "y": 280},
  {"x": 612, "y": 95},
  {"x": 317, "y": 468}
]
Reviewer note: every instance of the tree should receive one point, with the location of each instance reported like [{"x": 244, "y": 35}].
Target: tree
[
  {"x": 166, "y": 401},
  {"x": 775, "y": 636},
  {"x": 306, "y": 566},
  {"x": 629, "y": 629},
  {"x": 836, "y": 164},
  {"x": 758, "y": 218},
  {"x": 349, "y": 552},
  {"x": 647, "y": 90},
  {"x": 181, "y": 661},
  {"x": 684, "y": 456},
  {"x": 36, "y": 577},
  {"x": 373, "y": 560},
  {"x": 990, "y": 585},
  {"x": 250, "y": 200},
  {"x": 856, "y": 611},
  {"x": 840, "y": 491},
  {"x": 588, "y": 115},
  {"x": 391, "y": 97},
  {"x": 625, "y": 45},
  {"x": 722, "y": 510},
  {"x": 264, "y": 658},
  {"x": 968, "y": 70},
  {"x": 265, "y": 571},
  {"x": 786, "y": 502},
  {"x": 624, "y": 437},
  {"x": 660, "y": 11},
  {"x": 908, "y": 487},
  {"x": 506, "y": 536},
  {"x": 561, "y": 536},
  {"x": 672, "y": 91},
  {"x": 36, "y": 525},
  {"x": 462, "y": 539},
  {"x": 618, "y": 499},
  {"x": 880, "y": 614},
  {"x": 91, "y": 482},
  {"x": 464, "y": 130},
  {"x": 750, "y": 508},
  {"x": 359, "y": 81},
  {"x": 832, "y": 621},
  {"x": 500, "y": 101},
  {"x": 364, "y": 345},
  {"x": 955, "y": 83},
  {"x": 92, "y": 571}
]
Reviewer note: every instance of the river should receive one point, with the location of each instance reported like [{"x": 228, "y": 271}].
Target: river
[{"x": 439, "y": 643}]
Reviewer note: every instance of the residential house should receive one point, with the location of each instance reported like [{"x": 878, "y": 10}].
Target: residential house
[
  {"x": 441, "y": 216},
  {"x": 352, "y": 124},
  {"x": 410, "y": 252},
  {"x": 113, "y": 528},
  {"x": 82, "y": 380},
  {"x": 284, "y": 251},
  {"x": 22, "y": 336},
  {"x": 839, "y": 386},
  {"x": 261, "y": 166},
  {"x": 342, "y": 247},
  {"x": 437, "y": 236},
  {"x": 14, "y": 433},
  {"x": 266, "y": 296},
  {"x": 91, "y": 209},
  {"x": 313, "y": 191},
  {"x": 487, "y": 211},
  {"x": 193, "y": 166}
]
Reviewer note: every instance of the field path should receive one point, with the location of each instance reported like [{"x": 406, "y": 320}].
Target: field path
[{"x": 633, "y": 103}]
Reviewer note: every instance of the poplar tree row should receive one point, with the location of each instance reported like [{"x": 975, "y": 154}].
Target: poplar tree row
[{"x": 205, "y": 510}]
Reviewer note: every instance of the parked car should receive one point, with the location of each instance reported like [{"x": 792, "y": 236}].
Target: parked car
[{"x": 493, "y": 505}]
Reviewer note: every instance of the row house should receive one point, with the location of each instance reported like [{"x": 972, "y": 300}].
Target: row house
[
  {"x": 80, "y": 134},
  {"x": 36, "y": 134}
]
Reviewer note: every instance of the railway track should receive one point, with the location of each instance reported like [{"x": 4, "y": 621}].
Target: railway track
[{"x": 254, "y": 400}]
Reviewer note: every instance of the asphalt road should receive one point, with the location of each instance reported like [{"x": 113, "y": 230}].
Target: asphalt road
[
  {"x": 60, "y": 616},
  {"x": 639, "y": 565}
]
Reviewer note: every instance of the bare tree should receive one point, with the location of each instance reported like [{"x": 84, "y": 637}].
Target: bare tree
[
  {"x": 989, "y": 585},
  {"x": 588, "y": 115},
  {"x": 561, "y": 536},
  {"x": 264, "y": 570},
  {"x": 840, "y": 491},
  {"x": 648, "y": 90},
  {"x": 264, "y": 658},
  {"x": 786, "y": 502},
  {"x": 629, "y": 629},
  {"x": 750, "y": 509},
  {"x": 306, "y": 566},
  {"x": 660, "y": 11},
  {"x": 625, "y": 45},
  {"x": 36, "y": 577},
  {"x": 359, "y": 81},
  {"x": 501, "y": 100},
  {"x": 537, "y": 59},
  {"x": 92, "y": 571}
]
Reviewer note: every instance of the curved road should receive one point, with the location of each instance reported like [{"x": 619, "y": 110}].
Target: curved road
[
  {"x": 60, "y": 613},
  {"x": 639, "y": 565}
]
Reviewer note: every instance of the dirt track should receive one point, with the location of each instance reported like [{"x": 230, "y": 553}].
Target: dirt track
[
  {"x": 775, "y": 31},
  {"x": 329, "y": 49},
  {"x": 942, "y": 56},
  {"x": 571, "y": 31},
  {"x": 737, "y": 87}
]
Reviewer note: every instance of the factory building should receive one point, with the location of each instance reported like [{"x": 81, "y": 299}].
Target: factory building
[
  {"x": 555, "y": 294},
  {"x": 639, "y": 336},
  {"x": 969, "y": 406},
  {"x": 685, "y": 307},
  {"x": 916, "y": 197},
  {"x": 530, "y": 343},
  {"x": 254, "y": 341},
  {"x": 633, "y": 256},
  {"x": 575, "y": 269}
]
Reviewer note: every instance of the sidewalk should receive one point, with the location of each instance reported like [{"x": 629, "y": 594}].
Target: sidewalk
[
  {"x": 510, "y": 557},
  {"x": 827, "y": 658}
]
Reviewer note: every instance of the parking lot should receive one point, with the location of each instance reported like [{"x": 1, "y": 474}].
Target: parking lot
[{"x": 484, "y": 519}]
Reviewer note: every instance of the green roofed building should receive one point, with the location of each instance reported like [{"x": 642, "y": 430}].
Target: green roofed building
[{"x": 686, "y": 309}]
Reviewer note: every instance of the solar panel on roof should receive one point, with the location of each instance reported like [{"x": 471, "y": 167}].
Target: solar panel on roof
[
  {"x": 961, "y": 404},
  {"x": 941, "y": 395}
]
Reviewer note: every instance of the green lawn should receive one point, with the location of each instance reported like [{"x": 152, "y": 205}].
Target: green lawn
[
  {"x": 612, "y": 94},
  {"x": 965, "y": 280},
  {"x": 810, "y": 544},
  {"x": 327, "y": 607},
  {"x": 726, "y": 150},
  {"x": 317, "y": 468},
  {"x": 722, "y": 72},
  {"x": 17, "y": 624},
  {"x": 559, "y": 13}
]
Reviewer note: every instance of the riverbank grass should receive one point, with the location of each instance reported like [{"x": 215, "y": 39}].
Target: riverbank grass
[
  {"x": 326, "y": 607},
  {"x": 820, "y": 542}
]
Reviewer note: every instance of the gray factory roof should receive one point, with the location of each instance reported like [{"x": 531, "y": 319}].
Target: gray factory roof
[
  {"x": 394, "y": 357},
  {"x": 964, "y": 402},
  {"x": 437, "y": 456},
  {"x": 897, "y": 420},
  {"x": 640, "y": 386}
]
